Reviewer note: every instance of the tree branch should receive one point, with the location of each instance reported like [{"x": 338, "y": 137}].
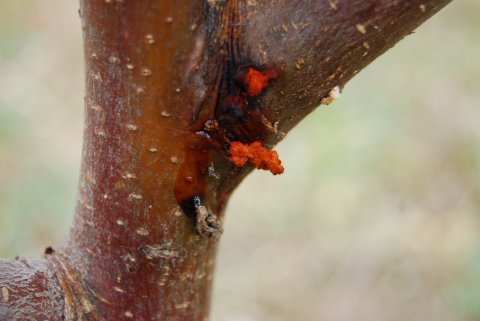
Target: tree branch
[{"x": 170, "y": 88}]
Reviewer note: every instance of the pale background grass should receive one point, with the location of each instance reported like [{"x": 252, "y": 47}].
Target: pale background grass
[{"x": 376, "y": 218}]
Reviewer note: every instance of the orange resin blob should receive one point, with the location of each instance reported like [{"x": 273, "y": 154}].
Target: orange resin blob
[
  {"x": 256, "y": 154},
  {"x": 255, "y": 81}
]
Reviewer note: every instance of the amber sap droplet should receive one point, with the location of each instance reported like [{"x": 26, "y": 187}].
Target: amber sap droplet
[{"x": 189, "y": 179}]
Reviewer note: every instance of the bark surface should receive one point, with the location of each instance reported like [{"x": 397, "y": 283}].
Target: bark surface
[{"x": 166, "y": 96}]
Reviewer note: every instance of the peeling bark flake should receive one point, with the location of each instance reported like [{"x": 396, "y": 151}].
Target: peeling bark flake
[
  {"x": 207, "y": 224},
  {"x": 332, "y": 95},
  {"x": 5, "y": 294}
]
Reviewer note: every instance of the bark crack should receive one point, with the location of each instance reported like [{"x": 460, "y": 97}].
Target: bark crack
[{"x": 78, "y": 300}]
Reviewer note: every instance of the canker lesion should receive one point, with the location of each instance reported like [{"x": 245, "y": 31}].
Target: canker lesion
[
  {"x": 237, "y": 127},
  {"x": 230, "y": 122}
]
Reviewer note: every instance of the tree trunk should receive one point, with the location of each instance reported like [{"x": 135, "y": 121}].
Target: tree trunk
[{"x": 183, "y": 100}]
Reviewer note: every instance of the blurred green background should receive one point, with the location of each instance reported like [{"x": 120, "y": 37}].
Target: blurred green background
[{"x": 376, "y": 218}]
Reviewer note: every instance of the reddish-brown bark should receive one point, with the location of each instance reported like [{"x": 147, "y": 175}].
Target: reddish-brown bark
[
  {"x": 29, "y": 290},
  {"x": 166, "y": 97}
]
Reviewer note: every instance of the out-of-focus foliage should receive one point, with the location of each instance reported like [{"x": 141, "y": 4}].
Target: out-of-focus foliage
[
  {"x": 376, "y": 218},
  {"x": 41, "y": 106}
]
